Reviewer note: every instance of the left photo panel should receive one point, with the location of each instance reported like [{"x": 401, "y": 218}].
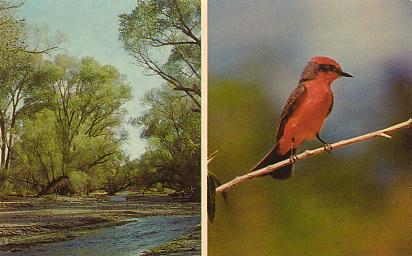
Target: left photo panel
[{"x": 100, "y": 127}]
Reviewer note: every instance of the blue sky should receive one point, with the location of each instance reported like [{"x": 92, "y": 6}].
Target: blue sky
[{"x": 91, "y": 29}]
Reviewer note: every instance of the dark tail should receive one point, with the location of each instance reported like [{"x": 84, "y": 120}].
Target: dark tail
[{"x": 273, "y": 157}]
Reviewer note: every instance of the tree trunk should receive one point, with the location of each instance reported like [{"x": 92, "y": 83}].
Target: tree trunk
[
  {"x": 3, "y": 141},
  {"x": 46, "y": 189},
  {"x": 9, "y": 152}
]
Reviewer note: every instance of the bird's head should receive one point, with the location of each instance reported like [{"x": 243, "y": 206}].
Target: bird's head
[{"x": 322, "y": 68}]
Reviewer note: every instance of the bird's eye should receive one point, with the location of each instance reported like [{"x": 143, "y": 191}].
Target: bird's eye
[
  {"x": 325, "y": 67},
  {"x": 328, "y": 68}
]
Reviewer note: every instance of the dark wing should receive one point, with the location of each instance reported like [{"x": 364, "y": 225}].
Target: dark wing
[
  {"x": 330, "y": 107},
  {"x": 294, "y": 100}
]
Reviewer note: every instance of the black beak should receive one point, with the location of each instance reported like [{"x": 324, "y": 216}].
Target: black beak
[{"x": 345, "y": 74}]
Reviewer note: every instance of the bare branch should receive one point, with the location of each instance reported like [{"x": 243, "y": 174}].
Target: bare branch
[
  {"x": 24, "y": 181},
  {"x": 151, "y": 65},
  {"x": 184, "y": 58},
  {"x": 212, "y": 156},
  {"x": 158, "y": 43},
  {"x": 308, "y": 153},
  {"x": 185, "y": 89},
  {"x": 42, "y": 51},
  {"x": 186, "y": 28}
]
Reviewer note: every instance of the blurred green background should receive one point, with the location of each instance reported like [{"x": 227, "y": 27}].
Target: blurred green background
[{"x": 354, "y": 201}]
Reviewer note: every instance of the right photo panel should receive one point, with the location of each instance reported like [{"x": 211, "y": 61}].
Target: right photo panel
[{"x": 309, "y": 127}]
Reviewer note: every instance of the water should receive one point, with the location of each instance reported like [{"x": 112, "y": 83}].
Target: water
[{"x": 129, "y": 239}]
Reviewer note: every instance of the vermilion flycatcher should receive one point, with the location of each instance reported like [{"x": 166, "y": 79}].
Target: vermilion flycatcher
[{"x": 304, "y": 114}]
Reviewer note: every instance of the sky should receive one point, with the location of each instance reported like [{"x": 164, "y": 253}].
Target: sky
[
  {"x": 271, "y": 41},
  {"x": 90, "y": 28}
]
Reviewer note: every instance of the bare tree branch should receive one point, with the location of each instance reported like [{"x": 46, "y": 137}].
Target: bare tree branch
[
  {"x": 158, "y": 43},
  {"x": 151, "y": 65},
  {"x": 186, "y": 29},
  {"x": 24, "y": 181},
  {"x": 308, "y": 153},
  {"x": 184, "y": 58},
  {"x": 185, "y": 89},
  {"x": 212, "y": 156},
  {"x": 42, "y": 51}
]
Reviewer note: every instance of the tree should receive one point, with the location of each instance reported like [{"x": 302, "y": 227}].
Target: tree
[
  {"x": 172, "y": 25},
  {"x": 119, "y": 174},
  {"x": 16, "y": 69},
  {"x": 86, "y": 102},
  {"x": 173, "y": 133},
  {"x": 171, "y": 128},
  {"x": 87, "y": 99},
  {"x": 37, "y": 158}
]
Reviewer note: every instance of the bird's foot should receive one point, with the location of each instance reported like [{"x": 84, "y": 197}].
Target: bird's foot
[
  {"x": 293, "y": 158},
  {"x": 328, "y": 147}
]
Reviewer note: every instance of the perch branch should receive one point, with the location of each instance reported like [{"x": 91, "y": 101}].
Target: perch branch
[
  {"x": 308, "y": 153},
  {"x": 212, "y": 156}
]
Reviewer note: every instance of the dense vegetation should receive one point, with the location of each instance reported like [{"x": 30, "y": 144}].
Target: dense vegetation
[{"x": 61, "y": 117}]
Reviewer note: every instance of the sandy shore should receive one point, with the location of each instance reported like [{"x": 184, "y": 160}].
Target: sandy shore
[{"x": 28, "y": 221}]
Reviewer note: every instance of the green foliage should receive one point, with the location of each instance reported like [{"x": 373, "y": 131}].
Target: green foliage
[
  {"x": 67, "y": 141},
  {"x": 172, "y": 130},
  {"x": 12, "y": 41},
  {"x": 80, "y": 182},
  {"x": 17, "y": 86},
  {"x": 60, "y": 119},
  {"x": 172, "y": 26},
  {"x": 171, "y": 127},
  {"x": 120, "y": 173},
  {"x": 160, "y": 23},
  {"x": 16, "y": 67}
]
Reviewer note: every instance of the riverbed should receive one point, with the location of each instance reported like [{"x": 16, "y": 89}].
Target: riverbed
[
  {"x": 133, "y": 238},
  {"x": 126, "y": 225}
]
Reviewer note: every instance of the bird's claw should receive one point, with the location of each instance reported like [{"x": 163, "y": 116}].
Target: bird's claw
[
  {"x": 328, "y": 147},
  {"x": 293, "y": 159}
]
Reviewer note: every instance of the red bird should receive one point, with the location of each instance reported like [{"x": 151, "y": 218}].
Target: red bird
[{"x": 304, "y": 114}]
